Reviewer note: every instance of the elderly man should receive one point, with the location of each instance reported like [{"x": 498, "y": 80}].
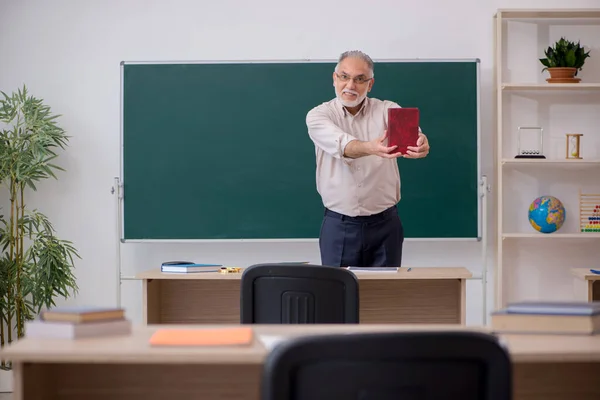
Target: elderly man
[{"x": 357, "y": 173}]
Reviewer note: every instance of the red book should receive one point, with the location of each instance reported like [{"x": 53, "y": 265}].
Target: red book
[{"x": 403, "y": 128}]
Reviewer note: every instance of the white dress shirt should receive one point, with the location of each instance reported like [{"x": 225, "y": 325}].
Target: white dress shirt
[{"x": 362, "y": 186}]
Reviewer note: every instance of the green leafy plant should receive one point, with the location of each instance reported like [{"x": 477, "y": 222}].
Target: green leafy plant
[
  {"x": 564, "y": 54},
  {"x": 35, "y": 265}
]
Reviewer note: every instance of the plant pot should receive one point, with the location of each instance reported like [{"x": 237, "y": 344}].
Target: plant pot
[
  {"x": 6, "y": 381},
  {"x": 562, "y": 75}
]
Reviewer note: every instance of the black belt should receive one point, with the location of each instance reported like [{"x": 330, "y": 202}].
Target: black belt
[{"x": 363, "y": 218}]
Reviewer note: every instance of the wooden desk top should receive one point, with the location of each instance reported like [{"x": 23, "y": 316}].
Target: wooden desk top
[
  {"x": 584, "y": 273},
  {"x": 403, "y": 273},
  {"x": 135, "y": 348}
]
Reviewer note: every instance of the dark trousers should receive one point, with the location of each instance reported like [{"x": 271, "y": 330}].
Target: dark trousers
[{"x": 363, "y": 241}]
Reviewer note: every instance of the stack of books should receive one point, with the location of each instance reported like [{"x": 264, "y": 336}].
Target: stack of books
[
  {"x": 188, "y": 266},
  {"x": 569, "y": 318},
  {"x": 78, "y": 323}
]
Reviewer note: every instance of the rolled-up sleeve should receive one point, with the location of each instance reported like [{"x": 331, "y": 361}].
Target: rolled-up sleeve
[{"x": 326, "y": 134}]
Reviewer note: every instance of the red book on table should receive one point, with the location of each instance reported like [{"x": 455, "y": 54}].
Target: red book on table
[{"x": 403, "y": 128}]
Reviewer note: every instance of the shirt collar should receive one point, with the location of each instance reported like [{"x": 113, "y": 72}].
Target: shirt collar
[{"x": 362, "y": 109}]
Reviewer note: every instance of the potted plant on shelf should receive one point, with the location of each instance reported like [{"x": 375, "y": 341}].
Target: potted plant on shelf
[
  {"x": 563, "y": 61},
  {"x": 35, "y": 265}
]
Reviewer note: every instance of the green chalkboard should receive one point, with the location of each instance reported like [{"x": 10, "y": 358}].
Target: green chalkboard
[{"x": 221, "y": 150}]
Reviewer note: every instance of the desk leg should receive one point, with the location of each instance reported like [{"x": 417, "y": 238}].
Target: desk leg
[
  {"x": 586, "y": 290},
  {"x": 32, "y": 386},
  {"x": 151, "y": 290},
  {"x": 18, "y": 383},
  {"x": 463, "y": 301},
  {"x": 594, "y": 290}
]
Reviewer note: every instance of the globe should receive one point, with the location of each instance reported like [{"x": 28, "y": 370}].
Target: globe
[{"x": 547, "y": 214}]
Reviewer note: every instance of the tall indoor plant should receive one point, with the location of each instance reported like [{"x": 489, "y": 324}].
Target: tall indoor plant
[{"x": 35, "y": 265}]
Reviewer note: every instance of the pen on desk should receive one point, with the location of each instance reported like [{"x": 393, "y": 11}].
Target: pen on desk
[{"x": 408, "y": 270}]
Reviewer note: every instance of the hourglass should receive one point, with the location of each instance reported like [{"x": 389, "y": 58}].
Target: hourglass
[{"x": 573, "y": 142}]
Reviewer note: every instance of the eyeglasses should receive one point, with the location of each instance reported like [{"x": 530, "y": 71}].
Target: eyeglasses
[{"x": 361, "y": 79}]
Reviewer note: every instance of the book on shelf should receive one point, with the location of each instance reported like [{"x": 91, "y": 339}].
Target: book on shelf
[{"x": 579, "y": 318}]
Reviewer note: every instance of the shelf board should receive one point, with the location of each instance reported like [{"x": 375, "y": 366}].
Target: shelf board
[
  {"x": 550, "y": 86},
  {"x": 589, "y": 13},
  {"x": 551, "y": 163},
  {"x": 551, "y": 235}
]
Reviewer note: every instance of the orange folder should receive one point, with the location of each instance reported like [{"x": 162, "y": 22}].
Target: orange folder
[{"x": 202, "y": 337}]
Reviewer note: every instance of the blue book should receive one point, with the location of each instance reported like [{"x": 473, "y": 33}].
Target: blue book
[{"x": 186, "y": 266}]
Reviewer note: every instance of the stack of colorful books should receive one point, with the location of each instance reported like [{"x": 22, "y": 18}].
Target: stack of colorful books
[
  {"x": 79, "y": 322},
  {"x": 569, "y": 318}
]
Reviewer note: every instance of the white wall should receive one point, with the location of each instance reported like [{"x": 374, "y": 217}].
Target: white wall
[{"x": 68, "y": 53}]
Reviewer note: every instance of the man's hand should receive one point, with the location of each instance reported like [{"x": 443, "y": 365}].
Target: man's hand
[
  {"x": 421, "y": 150},
  {"x": 376, "y": 147}
]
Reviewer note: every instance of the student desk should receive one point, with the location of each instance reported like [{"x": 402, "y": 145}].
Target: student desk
[
  {"x": 587, "y": 284},
  {"x": 421, "y": 295},
  {"x": 546, "y": 367}
]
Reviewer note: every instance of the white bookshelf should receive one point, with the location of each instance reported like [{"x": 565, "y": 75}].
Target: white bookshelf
[
  {"x": 541, "y": 15},
  {"x": 532, "y": 163},
  {"x": 542, "y": 236},
  {"x": 546, "y": 86},
  {"x": 530, "y": 264}
]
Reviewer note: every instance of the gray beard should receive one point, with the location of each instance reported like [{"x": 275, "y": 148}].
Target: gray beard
[{"x": 347, "y": 103}]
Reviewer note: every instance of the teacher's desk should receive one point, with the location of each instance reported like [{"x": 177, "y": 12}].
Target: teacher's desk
[{"x": 419, "y": 295}]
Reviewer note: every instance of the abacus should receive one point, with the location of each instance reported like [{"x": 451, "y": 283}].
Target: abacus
[{"x": 589, "y": 212}]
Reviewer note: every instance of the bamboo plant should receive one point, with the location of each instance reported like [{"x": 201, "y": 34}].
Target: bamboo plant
[{"x": 35, "y": 265}]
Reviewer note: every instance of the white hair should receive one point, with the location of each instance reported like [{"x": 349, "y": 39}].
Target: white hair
[{"x": 357, "y": 54}]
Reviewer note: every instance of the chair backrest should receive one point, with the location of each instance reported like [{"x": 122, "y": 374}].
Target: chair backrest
[
  {"x": 298, "y": 294},
  {"x": 389, "y": 365}
]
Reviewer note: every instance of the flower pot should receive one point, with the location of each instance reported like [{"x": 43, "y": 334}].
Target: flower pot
[
  {"x": 562, "y": 75},
  {"x": 6, "y": 381}
]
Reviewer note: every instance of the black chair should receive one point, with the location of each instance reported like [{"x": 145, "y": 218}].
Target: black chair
[
  {"x": 298, "y": 294},
  {"x": 389, "y": 365}
]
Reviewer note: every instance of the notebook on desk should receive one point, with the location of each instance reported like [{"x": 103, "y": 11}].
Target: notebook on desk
[
  {"x": 372, "y": 269},
  {"x": 237, "y": 336}
]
